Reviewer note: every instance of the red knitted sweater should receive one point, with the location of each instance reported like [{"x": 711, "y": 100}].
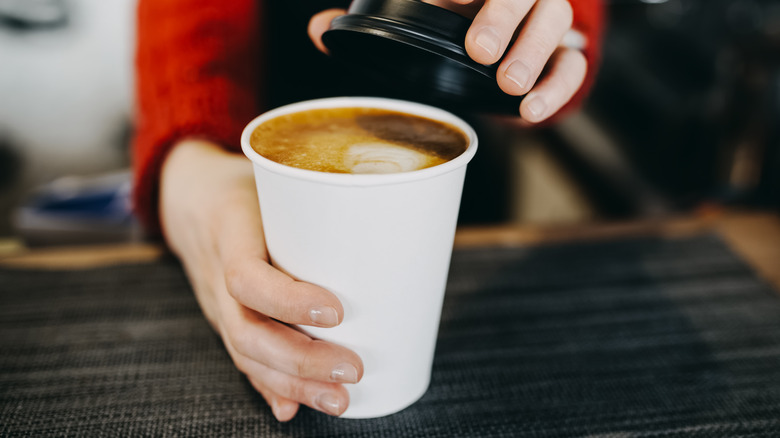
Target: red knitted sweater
[{"x": 194, "y": 79}]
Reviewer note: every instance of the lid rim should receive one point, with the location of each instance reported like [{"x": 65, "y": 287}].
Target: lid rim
[{"x": 437, "y": 19}]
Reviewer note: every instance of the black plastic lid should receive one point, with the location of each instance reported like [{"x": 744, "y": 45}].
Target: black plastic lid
[{"x": 417, "y": 51}]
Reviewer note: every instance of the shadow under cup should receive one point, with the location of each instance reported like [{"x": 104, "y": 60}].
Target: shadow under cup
[{"x": 380, "y": 242}]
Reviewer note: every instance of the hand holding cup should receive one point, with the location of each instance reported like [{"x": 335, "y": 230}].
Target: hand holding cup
[{"x": 250, "y": 304}]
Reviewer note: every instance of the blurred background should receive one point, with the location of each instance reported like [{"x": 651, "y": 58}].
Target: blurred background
[
  {"x": 685, "y": 116},
  {"x": 65, "y": 119}
]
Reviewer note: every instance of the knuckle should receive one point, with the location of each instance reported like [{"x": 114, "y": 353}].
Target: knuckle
[
  {"x": 306, "y": 359},
  {"x": 234, "y": 281},
  {"x": 539, "y": 47},
  {"x": 296, "y": 390},
  {"x": 512, "y": 8},
  {"x": 241, "y": 364},
  {"x": 240, "y": 340},
  {"x": 284, "y": 302}
]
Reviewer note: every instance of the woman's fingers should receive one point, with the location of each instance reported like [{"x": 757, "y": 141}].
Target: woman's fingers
[
  {"x": 283, "y": 408},
  {"x": 282, "y": 348},
  {"x": 565, "y": 74},
  {"x": 538, "y": 39},
  {"x": 218, "y": 229},
  {"x": 260, "y": 296},
  {"x": 493, "y": 27},
  {"x": 284, "y": 392},
  {"x": 256, "y": 284},
  {"x": 319, "y": 23},
  {"x": 259, "y": 286}
]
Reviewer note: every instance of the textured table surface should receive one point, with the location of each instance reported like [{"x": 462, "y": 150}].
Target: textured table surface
[{"x": 633, "y": 337}]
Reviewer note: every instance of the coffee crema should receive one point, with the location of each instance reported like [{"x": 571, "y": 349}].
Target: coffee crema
[{"x": 357, "y": 140}]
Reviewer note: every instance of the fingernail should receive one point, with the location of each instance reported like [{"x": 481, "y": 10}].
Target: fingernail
[
  {"x": 537, "y": 107},
  {"x": 488, "y": 39},
  {"x": 344, "y": 373},
  {"x": 519, "y": 73},
  {"x": 328, "y": 402},
  {"x": 325, "y": 316}
]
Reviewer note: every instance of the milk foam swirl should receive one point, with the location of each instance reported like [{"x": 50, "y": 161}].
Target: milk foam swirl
[{"x": 383, "y": 158}]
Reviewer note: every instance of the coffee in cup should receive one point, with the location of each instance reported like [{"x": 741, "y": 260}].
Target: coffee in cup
[{"x": 357, "y": 140}]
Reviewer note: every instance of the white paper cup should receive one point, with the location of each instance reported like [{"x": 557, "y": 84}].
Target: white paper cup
[{"x": 380, "y": 243}]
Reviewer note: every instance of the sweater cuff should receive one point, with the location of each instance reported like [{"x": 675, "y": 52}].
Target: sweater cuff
[
  {"x": 206, "y": 112},
  {"x": 148, "y": 166}
]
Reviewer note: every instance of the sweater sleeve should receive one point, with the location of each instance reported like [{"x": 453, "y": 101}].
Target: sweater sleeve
[{"x": 196, "y": 76}]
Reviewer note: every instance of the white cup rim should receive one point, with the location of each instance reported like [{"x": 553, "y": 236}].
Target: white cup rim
[{"x": 346, "y": 179}]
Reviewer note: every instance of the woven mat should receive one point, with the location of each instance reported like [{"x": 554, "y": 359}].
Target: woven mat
[{"x": 631, "y": 338}]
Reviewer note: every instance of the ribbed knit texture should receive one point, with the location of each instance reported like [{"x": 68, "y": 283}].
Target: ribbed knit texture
[
  {"x": 631, "y": 338},
  {"x": 197, "y": 76},
  {"x": 200, "y": 71}
]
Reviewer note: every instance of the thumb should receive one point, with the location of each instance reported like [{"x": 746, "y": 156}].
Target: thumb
[{"x": 319, "y": 23}]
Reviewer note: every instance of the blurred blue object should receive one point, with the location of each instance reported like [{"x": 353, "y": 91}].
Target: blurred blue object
[{"x": 76, "y": 210}]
